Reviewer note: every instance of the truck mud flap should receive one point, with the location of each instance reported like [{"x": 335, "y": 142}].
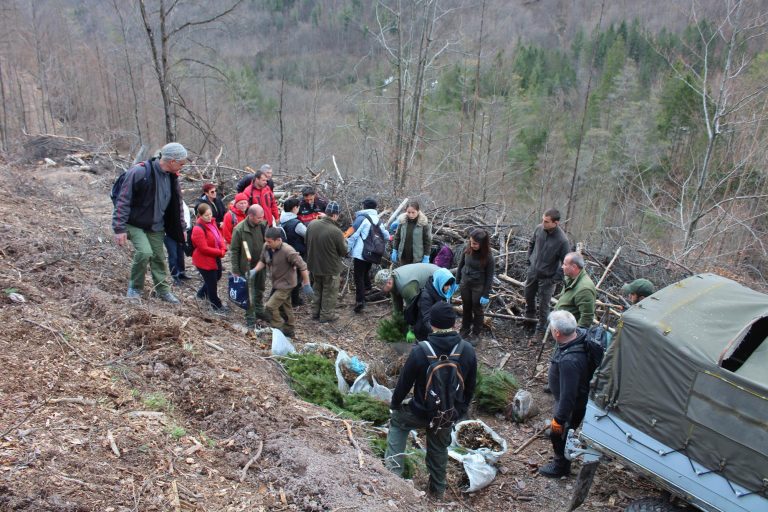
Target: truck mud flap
[{"x": 583, "y": 484}]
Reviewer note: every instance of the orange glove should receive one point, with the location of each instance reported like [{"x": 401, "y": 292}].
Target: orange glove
[
  {"x": 557, "y": 428},
  {"x": 349, "y": 232}
]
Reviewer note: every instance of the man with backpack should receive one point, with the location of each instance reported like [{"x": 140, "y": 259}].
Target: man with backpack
[
  {"x": 366, "y": 246},
  {"x": 295, "y": 234},
  {"x": 147, "y": 206},
  {"x": 570, "y": 371},
  {"x": 442, "y": 372}
]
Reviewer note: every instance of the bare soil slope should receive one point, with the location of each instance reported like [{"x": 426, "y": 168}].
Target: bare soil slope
[{"x": 114, "y": 406}]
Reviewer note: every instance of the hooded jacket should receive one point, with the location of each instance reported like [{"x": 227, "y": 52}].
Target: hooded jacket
[
  {"x": 414, "y": 373},
  {"x": 421, "y": 238},
  {"x": 430, "y": 294},
  {"x": 229, "y": 223},
  {"x": 356, "y": 239},
  {"x": 209, "y": 245}
]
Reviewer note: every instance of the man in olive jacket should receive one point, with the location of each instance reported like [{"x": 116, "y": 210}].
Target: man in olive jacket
[
  {"x": 251, "y": 233},
  {"x": 580, "y": 294},
  {"x": 325, "y": 249}
]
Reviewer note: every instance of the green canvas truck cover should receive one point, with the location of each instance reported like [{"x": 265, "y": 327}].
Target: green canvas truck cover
[{"x": 689, "y": 367}]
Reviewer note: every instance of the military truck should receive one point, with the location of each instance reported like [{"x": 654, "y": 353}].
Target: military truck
[{"x": 682, "y": 398}]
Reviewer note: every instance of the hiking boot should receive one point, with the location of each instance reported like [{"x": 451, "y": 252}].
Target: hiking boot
[
  {"x": 289, "y": 333},
  {"x": 263, "y": 315},
  {"x": 168, "y": 297},
  {"x": 546, "y": 389},
  {"x": 316, "y": 316},
  {"x": 297, "y": 303},
  {"x": 133, "y": 293},
  {"x": 556, "y": 469},
  {"x": 435, "y": 494},
  {"x": 359, "y": 307},
  {"x": 183, "y": 276},
  {"x": 329, "y": 320}
]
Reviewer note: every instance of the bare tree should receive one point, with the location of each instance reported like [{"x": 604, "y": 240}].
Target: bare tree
[{"x": 160, "y": 48}]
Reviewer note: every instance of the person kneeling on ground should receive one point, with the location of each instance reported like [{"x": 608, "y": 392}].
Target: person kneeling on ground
[
  {"x": 283, "y": 261},
  {"x": 569, "y": 381},
  {"x": 417, "y": 413},
  {"x": 440, "y": 287}
]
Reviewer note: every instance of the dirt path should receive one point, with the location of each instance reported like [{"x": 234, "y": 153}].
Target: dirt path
[{"x": 108, "y": 405}]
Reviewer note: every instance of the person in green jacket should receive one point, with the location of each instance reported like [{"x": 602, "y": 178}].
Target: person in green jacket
[
  {"x": 326, "y": 248},
  {"x": 413, "y": 237},
  {"x": 579, "y": 294},
  {"x": 250, "y": 233}
]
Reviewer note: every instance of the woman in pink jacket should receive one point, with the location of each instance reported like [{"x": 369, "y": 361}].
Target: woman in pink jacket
[{"x": 209, "y": 246}]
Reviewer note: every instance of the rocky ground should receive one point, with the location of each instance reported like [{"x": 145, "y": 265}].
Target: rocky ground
[{"x": 114, "y": 406}]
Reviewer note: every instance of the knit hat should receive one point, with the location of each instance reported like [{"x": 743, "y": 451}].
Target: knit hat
[
  {"x": 442, "y": 315},
  {"x": 642, "y": 287},
  {"x": 369, "y": 203},
  {"x": 173, "y": 151},
  {"x": 333, "y": 208},
  {"x": 240, "y": 197}
]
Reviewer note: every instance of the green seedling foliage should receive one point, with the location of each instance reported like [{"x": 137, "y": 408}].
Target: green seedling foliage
[
  {"x": 313, "y": 377},
  {"x": 495, "y": 390},
  {"x": 367, "y": 408},
  {"x": 156, "y": 402},
  {"x": 392, "y": 329}
]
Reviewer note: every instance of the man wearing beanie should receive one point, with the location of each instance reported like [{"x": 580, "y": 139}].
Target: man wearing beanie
[
  {"x": 148, "y": 206},
  {"x": 413, "y": 414},
  {"x": 325, "y": 249}
]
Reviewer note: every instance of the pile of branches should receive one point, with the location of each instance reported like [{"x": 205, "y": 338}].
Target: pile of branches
[{"x": 39, "y": 147}]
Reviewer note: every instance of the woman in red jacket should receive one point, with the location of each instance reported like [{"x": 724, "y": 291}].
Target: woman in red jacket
[
  {"x": 234, "y": 216},
  {"x": 209, "y": 247}
]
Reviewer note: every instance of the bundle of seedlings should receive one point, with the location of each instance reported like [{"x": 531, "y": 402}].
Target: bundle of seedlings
[
  {"x": 392, "y": 329},
  {"x": 313, "y": 377},
  {"x": 495, "y": 390},
  {"x": 473, "y": 437},
  {"x": 412, "y": 460},
  {"x": 367, "y": 408}
]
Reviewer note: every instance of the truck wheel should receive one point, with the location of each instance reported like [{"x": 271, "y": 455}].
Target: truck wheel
[{"x": 652, "y": 505}]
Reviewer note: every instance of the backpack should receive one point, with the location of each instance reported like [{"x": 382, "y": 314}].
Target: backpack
[
  {"x": 117, "y": 185},
  {"x": 374, "y": 244},
  {"x": 445, "y": 385},
  {"x": 189, "y": 247},
  {"x": 593, "y": 347},
  {"x": 444, "y": 257}
]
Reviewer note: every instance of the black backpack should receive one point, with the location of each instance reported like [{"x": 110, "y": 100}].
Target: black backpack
[
  {"x": 444, "y": 391},
  {"x": 117, "y": 185},
  {"x": 189, "y": 247},
  {"x": 374, "y": 244},
  {"x": 593, "y": 346}
]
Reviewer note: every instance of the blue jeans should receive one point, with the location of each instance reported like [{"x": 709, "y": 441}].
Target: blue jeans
[{"x": 175, "y": 256}]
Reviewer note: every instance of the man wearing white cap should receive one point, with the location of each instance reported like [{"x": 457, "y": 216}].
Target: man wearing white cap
[{"x": 147, "y": 207}]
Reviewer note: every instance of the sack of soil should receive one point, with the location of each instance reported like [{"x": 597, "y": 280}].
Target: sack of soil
[
  {"x": 348, "y": 370},
  {"x": 367, "y": 383},
  {"x": 474, "y": 436},
  {"x": 477, "y": 447}
]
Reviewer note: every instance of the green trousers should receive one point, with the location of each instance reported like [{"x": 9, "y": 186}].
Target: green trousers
[
  {"x": 149, "y": 249},
  {"x": 256, "y": 286},
  {"x": 326, "y": 292},
  {"x": 401, "y": 423}
]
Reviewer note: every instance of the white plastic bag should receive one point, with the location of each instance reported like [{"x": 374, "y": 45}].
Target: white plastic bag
[
  {"x": 376, "y": 390},
  {"x": 479, "y": 472},
  {"x": 280, "y": 344},
  {"x": 342, "y": 358},
  {"x": 490, "y": 456}
]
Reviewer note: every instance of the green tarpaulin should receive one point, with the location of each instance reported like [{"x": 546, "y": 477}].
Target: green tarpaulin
[{"x": 689, "y": 367}]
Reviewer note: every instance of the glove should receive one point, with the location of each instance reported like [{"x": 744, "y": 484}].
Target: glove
[
  {"x": 393, "y": 257},
  {"x": 252, "y": 273},
  {"x": 425, "y": 259},
  {"x": 557, "y": 428},
  {"x": 484, "y": 301},
  {"x": 308, "y": 291},
  {"x": 410, "y": 337},
  {"x": 394, "y": 226}
]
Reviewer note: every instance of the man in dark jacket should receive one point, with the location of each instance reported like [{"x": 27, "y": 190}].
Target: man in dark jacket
[
  {"x": 311, "y": 206},
  {"x": 246, "y": 180},
  {"x": 546, "y": 250},
  {"x": 439, "y": 287},
  {"x": 569, "y": 381},
  {"x": 250, "y": 233},
  {"x": 407, "y": 416},
  {"x": 295, "y": 235},
  {"x": 148, "y": 206},
  {"x": 326, "y": 248}
]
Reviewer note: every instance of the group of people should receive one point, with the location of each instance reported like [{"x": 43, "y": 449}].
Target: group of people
[{"x": 306, "y": 242}]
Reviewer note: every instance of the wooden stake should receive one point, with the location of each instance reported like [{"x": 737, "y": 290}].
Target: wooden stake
[
  {"x": 354, "y": 443},
  {"x": 251, "y": 461},
  {"x": 529, "y": 441}
]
